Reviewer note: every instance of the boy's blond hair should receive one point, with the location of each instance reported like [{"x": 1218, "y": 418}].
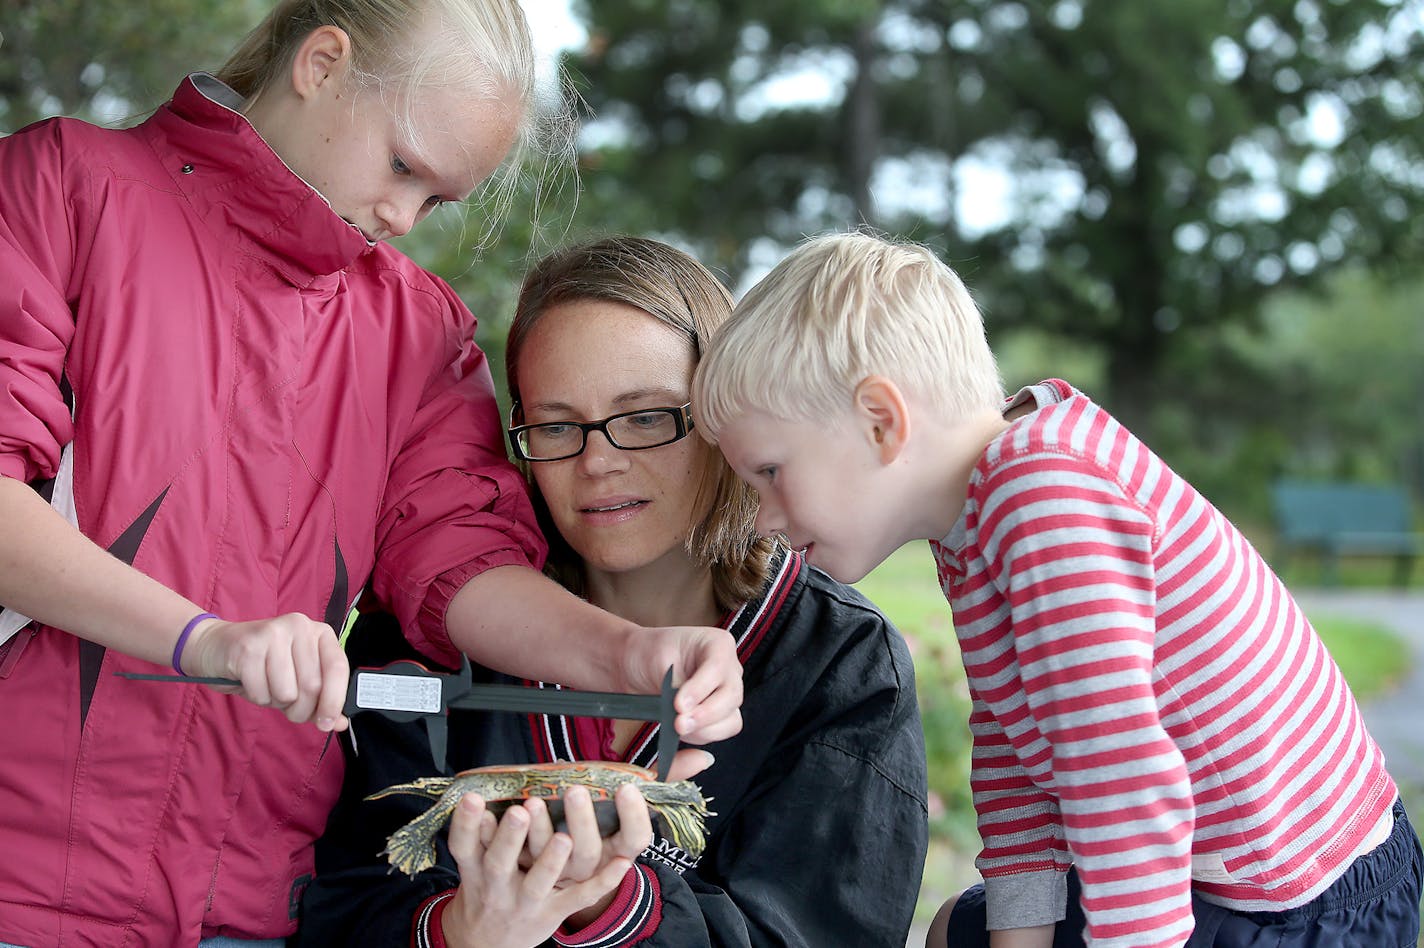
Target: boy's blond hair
[{"x": 839, "y": 308}]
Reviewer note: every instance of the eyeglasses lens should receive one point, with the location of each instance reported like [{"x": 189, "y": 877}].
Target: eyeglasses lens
[{"x": 646, "y": 429}]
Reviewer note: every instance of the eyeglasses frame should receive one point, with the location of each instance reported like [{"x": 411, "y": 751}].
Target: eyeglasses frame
[{"x": 682, "y": 416}]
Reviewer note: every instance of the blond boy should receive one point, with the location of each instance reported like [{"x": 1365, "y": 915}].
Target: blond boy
[{"x": 1155, "y": 722}]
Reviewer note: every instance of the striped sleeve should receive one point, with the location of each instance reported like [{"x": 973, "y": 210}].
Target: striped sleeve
[
  {"x": 426, "y": 930},
  {"x": 1071, "y": 553},
  {"x": 634, "y": 915}
]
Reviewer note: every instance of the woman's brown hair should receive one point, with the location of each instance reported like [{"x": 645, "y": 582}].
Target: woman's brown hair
[{"x": 673, "y": 288}]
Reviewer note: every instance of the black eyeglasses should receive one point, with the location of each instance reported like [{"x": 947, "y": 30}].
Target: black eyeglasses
[{"x": 627, "y": 431}]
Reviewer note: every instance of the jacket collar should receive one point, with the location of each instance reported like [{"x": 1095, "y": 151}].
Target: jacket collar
[{"x": 226, "y": 169}]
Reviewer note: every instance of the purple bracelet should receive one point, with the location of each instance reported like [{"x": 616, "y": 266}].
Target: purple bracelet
[{"x": 183, "y": 640}]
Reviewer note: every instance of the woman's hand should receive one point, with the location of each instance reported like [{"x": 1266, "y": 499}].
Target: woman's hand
[
  {"x": 591, "y": 851},
  {"x": 290, "y": 663},
  {"x": 501, "y": 904}
]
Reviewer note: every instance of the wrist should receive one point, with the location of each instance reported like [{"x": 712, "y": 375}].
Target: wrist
[
  {"x": 629, "y": 644},
  {"x": 583, "y": 918},
  {"x": 181, "y": 644},
  {"x": 634, "y": 912}
]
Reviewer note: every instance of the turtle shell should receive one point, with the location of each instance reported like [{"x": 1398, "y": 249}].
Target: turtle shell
[{"x": 678, "y": 808}]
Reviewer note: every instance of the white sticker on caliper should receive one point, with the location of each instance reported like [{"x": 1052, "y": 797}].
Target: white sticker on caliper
[{"x": 376, "y": 692}]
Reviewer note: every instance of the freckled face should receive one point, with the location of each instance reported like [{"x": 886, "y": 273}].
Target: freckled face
[
  {"x": 347, "y": 145},
  {"x": 621, "y": 511}
]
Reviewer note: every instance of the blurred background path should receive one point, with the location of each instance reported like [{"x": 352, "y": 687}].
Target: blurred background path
[{"x": 1396, "y": 717}]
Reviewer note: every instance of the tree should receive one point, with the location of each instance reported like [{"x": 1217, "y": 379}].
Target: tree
[
  {"x": 1350, "y": 401},
  {"x": 108, "y": 60},
  {"x": 1166, "y": 166}
]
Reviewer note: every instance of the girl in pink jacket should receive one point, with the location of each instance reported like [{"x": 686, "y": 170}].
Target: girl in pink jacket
[{"x": 226, "y": 407}]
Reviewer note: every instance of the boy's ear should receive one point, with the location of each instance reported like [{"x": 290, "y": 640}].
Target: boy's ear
[
  {"x": 323, "y": 57},
  {"x": 883, "y": 414}
]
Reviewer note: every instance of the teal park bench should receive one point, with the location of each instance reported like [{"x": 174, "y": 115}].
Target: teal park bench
[{"x": 1336, "y": 520}]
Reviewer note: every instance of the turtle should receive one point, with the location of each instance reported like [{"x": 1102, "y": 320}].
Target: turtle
[{"x": 678, "y": 806}]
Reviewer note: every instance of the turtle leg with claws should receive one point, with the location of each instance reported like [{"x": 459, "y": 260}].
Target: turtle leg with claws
[{"x": 411, "y": 848}]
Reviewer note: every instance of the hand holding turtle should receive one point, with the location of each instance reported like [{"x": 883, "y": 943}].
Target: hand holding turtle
[
  {"x": 591, "y": 850},
  {"x": 501, "y": 905},
  {"x": 290, "y": 662}
]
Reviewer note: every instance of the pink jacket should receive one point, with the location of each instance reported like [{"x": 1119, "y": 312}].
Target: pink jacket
[{"x": 268, "y": 412}]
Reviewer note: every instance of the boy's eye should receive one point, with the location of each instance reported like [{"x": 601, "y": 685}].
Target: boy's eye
[
  {"x": 399, "y": 166},
  {"x": 768, "y": 473}
]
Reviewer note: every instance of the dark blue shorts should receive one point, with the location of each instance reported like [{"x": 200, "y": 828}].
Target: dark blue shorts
[{"x": 1375, "y": 904}]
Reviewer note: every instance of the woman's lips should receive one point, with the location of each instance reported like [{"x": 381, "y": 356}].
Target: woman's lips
[{"x": 613, "y": 511}]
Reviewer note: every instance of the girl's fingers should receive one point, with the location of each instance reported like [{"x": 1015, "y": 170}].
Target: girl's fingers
[
  {"x": 335, "y": 674},
  {"x": 298, "y": 700},
  {"x": 709, "y": 701},
  {"x": 688, "y": 763},
  {"x": 709, "y": 723},
  {"x": 253, "y": 672},
  {"x": 279, "y": 662}
]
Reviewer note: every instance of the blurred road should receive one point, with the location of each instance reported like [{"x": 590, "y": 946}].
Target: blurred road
[{"x": 1395, "y": 719}]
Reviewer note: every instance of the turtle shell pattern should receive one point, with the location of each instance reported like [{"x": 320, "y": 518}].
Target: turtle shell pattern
[{"x": 678, "y": 807}]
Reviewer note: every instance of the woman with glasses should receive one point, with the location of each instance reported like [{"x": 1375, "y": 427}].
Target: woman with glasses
[{"x": 820, "y": 823}]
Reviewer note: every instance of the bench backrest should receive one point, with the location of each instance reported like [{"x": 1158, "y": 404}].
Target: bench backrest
[{"x": 1313, "y": 511}]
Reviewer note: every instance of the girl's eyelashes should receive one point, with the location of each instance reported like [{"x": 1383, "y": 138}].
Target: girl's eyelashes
[
  {"x": 768, "y": 473},
  {"x": 399, "y": 166}
]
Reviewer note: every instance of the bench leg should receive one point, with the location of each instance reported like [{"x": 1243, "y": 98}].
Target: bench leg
[
  {"x": 1403, "y": 566},
  {"x": 1330, "y": 567}
]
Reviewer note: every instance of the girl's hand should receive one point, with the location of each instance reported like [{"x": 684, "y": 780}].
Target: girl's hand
[
  {"x": 501, "y": 905},
  {"x": 291, "y": 663},
  {"x": 704, "y": 661}
]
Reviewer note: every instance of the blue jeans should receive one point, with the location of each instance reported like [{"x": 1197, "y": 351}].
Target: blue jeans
[{"x": 1375, "y": 904}]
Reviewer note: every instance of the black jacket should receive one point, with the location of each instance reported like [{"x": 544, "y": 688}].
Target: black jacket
[{"x": 820, "y": 829}]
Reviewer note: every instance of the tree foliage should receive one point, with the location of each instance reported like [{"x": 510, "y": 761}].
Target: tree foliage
[
  {"x": 108, "y": 59},
  {"x": 1126, "y": 187},
  {"x": 1166, "y": 165}
]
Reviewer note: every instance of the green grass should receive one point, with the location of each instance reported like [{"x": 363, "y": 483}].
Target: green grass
[
  {"x": 906, "y": 589},
  {"x": 1371, "y": 658}
]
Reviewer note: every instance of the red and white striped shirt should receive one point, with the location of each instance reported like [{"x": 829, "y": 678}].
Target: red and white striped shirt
[{"x": 1150, "y": 704}]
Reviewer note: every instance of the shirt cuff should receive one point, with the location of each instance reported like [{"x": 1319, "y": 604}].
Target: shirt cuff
[
  {"x": 636, "y": 911},
  {"x": 15, "y": 468},
  {"x": 1025, "y": 899},
  {"x": 429, "y": 629},
  {"x": 426, "y": 930}
]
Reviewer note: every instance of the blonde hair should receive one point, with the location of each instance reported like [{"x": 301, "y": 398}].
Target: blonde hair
[
  {"x": 400, "y": 47},
  {"x": 673, "y": 288},
  {"x": 837, "y": 309}
]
